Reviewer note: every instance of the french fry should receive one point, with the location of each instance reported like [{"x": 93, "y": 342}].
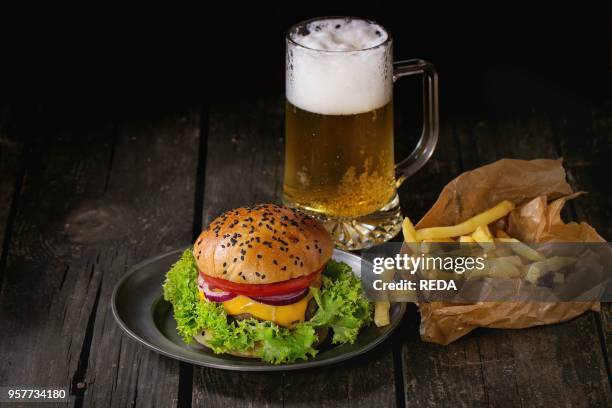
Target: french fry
[
  {"x": 427, "y": 247},
  {"x": 552, "y": 264},
  {"x": 430, "y": 245},
  {"x": 483, "y": 236},
  {"x": 514, "y": 260},
  {"x": 469, "y": 226},
  {"x": 556, "y": 263},
  {"x": 410, "y": 235},
  {"x": 466, "y": 238},
  {"x": 534, "y": 271},
  {"x": 403, "y": 295},
  {"x": 447, "y": 276},
  {"x": 381, "y": 313},
  {"x": 381, "y": 307},
  {"x": 521, "y": 249},
  {"x": 506, "y": 267},
  {"x": 559, "y": 278}
]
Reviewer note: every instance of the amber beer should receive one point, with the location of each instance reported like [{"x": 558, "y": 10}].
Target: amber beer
[
  {"x": 339, "y": 165},
  {"x": 339, "y": 159},
  {"x": 339, "y": 119}
]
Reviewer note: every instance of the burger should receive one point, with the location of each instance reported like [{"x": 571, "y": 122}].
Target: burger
[{"x": 260, "y": 282}]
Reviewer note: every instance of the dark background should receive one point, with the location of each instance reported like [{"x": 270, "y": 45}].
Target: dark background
[{"x": 507, "y": 59}]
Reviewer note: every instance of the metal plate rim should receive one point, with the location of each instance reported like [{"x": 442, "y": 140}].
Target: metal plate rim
[{"x": 228, "y": 366}]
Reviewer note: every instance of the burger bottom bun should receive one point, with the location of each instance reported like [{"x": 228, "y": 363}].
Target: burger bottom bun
[{"x": 253, "y": 353}]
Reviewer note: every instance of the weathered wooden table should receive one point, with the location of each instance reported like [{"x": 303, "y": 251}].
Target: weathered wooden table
[{"x": 83, "y": 196}]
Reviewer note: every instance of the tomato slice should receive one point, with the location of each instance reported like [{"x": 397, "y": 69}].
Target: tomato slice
[{"x": 269, "y": 289}]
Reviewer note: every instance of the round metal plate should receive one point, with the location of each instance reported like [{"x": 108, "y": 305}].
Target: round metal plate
[{"x": 141, "y": 311}]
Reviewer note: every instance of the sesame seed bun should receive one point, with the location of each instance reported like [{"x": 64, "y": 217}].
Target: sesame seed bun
[{"x": 266, "y": 243}]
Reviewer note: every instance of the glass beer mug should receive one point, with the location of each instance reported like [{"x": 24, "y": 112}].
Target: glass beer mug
[{"x": 339, "y": 157}]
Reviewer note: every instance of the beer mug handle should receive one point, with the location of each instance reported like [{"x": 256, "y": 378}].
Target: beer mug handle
[{"x": 429, "y": 136}]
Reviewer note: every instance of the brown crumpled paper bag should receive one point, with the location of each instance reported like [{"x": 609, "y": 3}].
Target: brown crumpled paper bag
[{"x": 539, "y": 190}]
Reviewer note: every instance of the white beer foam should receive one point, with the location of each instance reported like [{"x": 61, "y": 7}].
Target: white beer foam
[
  {"x": 341, "y": 35},
  {"x": 338, "y": 70}
]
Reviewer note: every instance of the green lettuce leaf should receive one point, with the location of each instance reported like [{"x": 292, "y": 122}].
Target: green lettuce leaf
[
  {"x": 341, "y": 307},
  {"x": 181, "y": 289}
]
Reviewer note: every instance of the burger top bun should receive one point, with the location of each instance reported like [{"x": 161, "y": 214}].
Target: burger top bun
[{"x": 262, "y": 244}]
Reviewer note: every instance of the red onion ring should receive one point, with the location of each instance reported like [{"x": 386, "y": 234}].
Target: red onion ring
[
  {"x": 276, "y": 300},
  {"x": 213, "y": 295},
  {"x": 284, "y": 299}
]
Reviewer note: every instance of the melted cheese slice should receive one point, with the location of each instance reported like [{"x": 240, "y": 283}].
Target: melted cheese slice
[{"x": 286, "y": 315}]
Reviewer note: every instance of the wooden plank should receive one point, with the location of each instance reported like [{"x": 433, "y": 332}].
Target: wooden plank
[
  {"x": 431, "y": 375},
  {"x": 438, "y": 375},
  {"x": 586, "y": 146},
  {"x": 100, "y": 197},
  {"x": 366, "y": 381},
  {"x": 244, "y": 151},
  {"x": 570, "y": 367},
  {"x": 245, "y": 154},
  {"x": 152, "y": 180},
  {"x": 244, "y": 166},
  {"x": 497, "y": 367},
  {"x": 11, "y": 152},
  {"x": 35, "y": 292}
]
